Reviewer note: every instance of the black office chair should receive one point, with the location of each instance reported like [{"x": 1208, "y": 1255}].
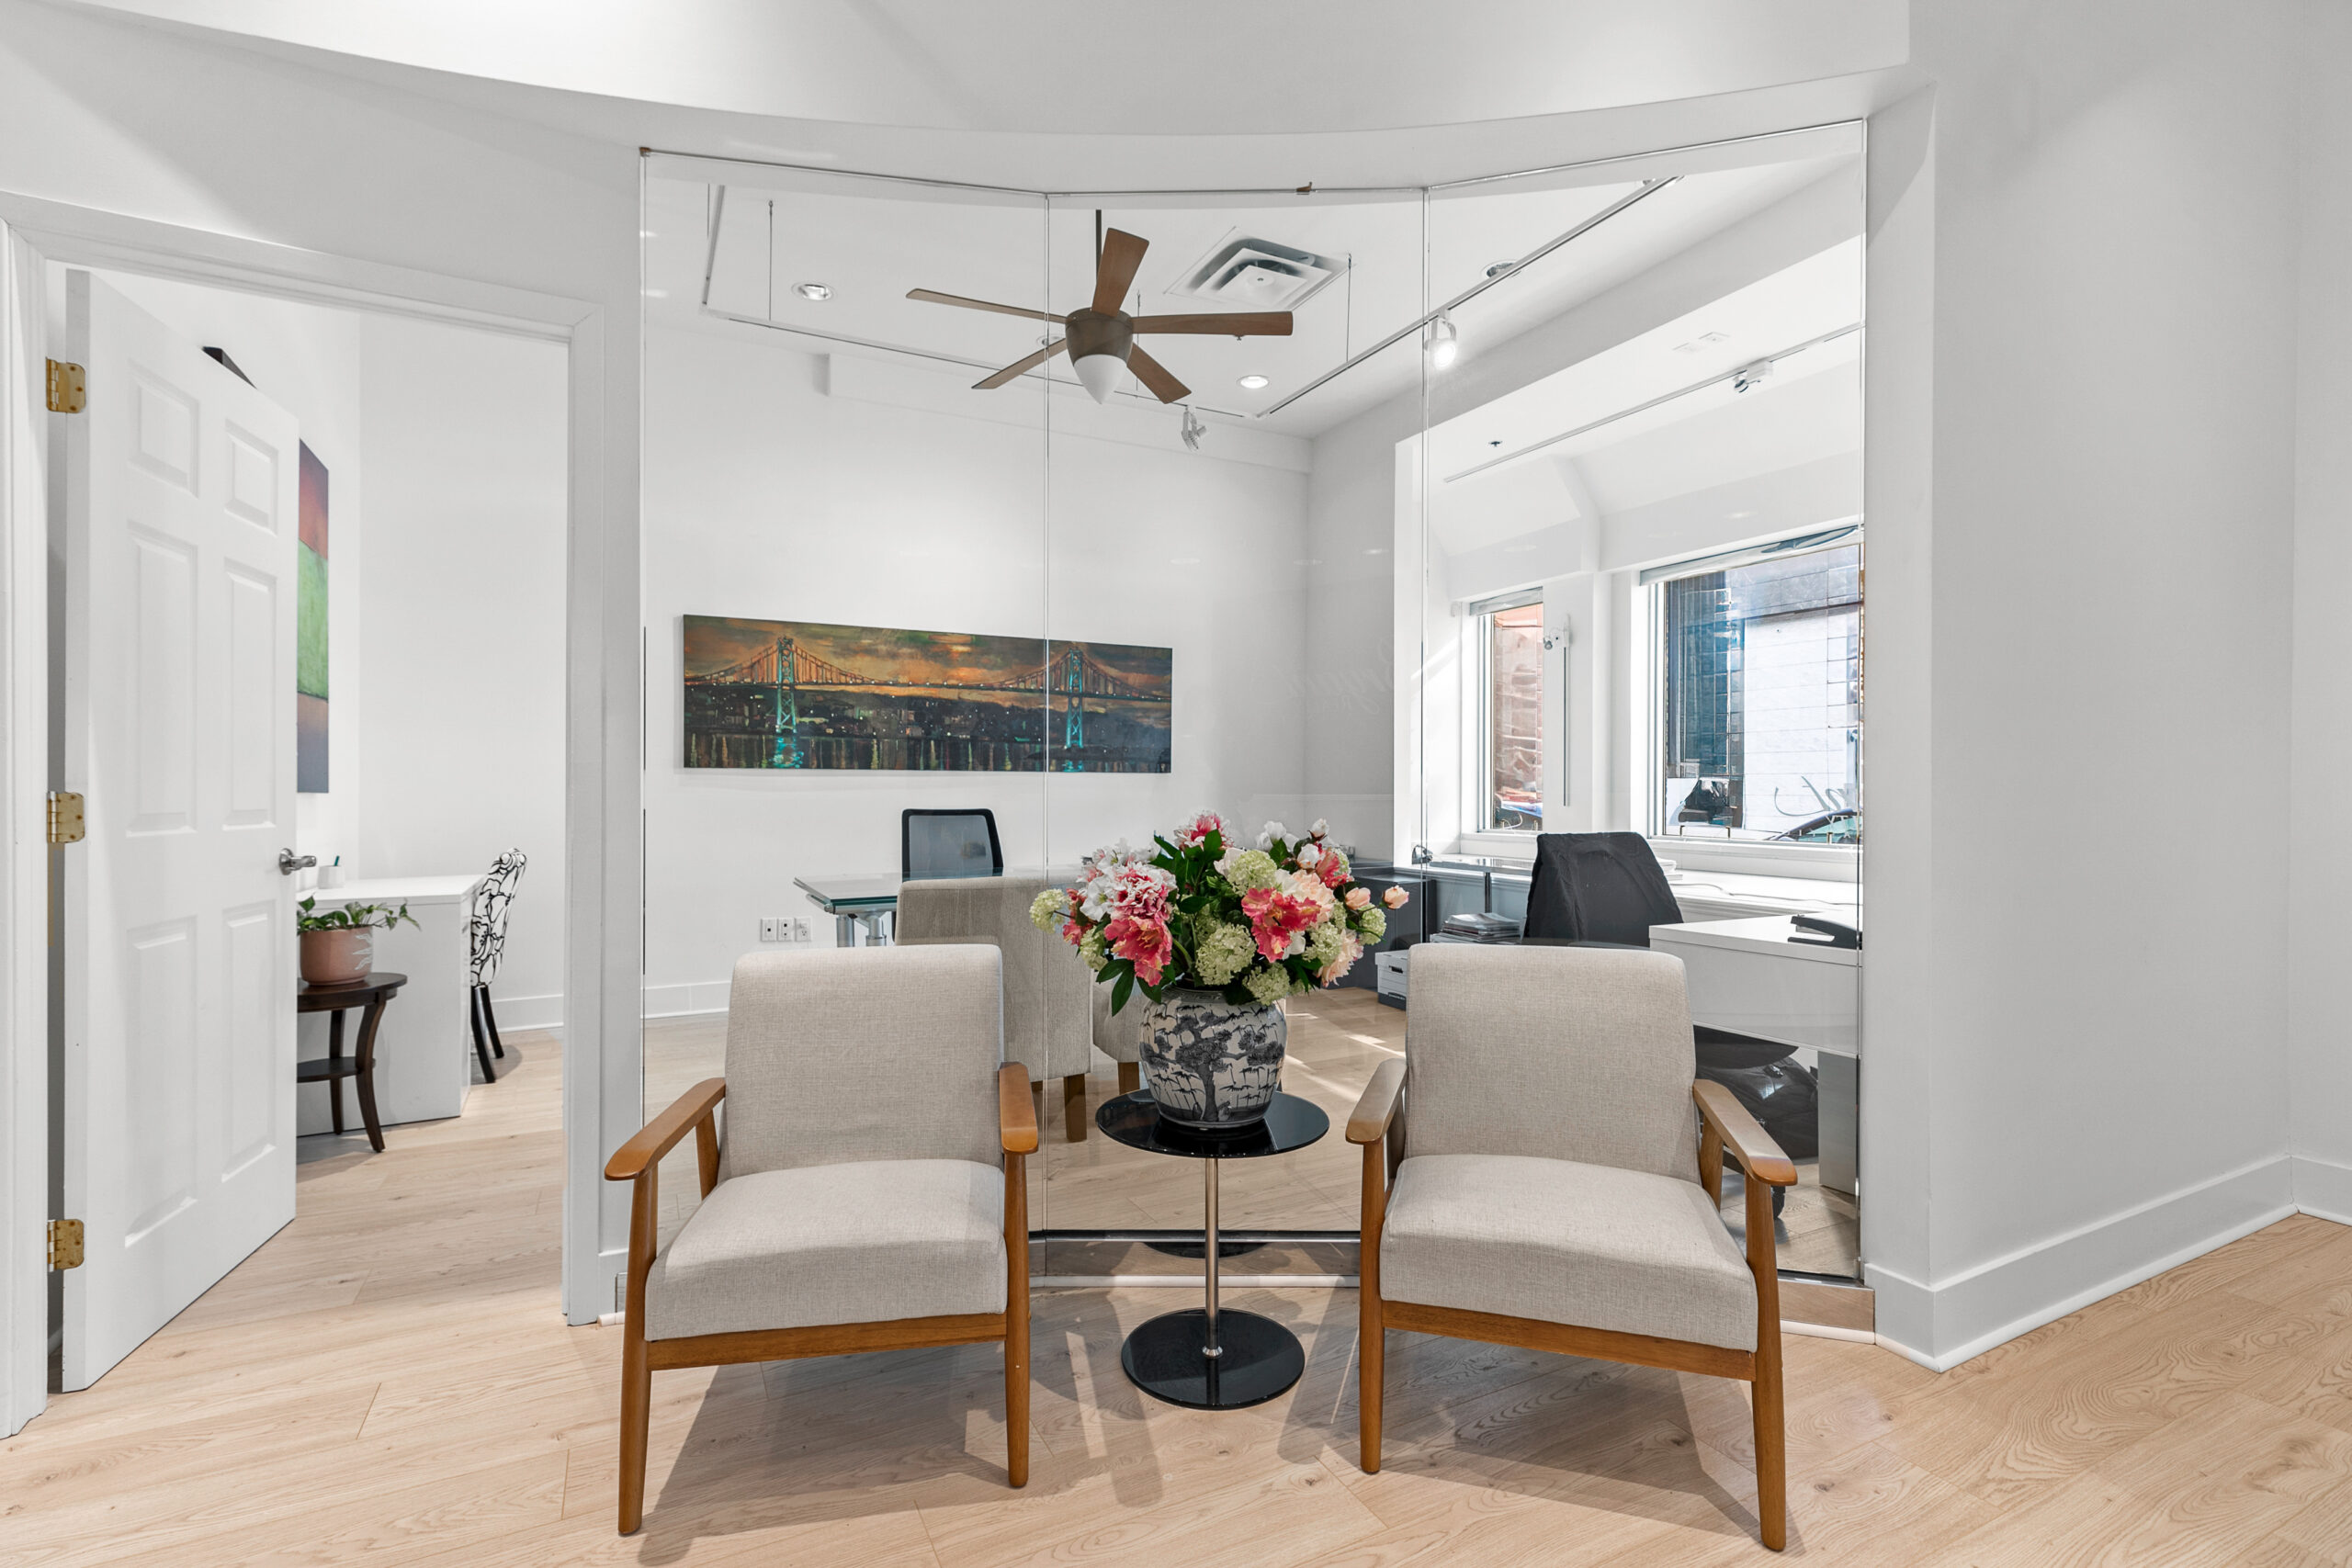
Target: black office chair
[
  {"x": 1608, "y": 890},
  {"x": 933, "y": 845}
]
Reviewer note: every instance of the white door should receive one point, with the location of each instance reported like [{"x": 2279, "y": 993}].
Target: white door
[{"x": 180, "y": 485}]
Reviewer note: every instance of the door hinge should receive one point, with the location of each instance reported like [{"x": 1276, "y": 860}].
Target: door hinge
[
  {"x": 69, "y": 388},
  {"x": 64, "y": 1243},
  {"x": 64, "y": 817}
]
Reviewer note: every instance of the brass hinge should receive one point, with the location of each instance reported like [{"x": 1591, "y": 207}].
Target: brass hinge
[
  {"x": 69, "y": 388},
  {"x": 64, "y": 817},
  {"x": 64, "y": 1243}
]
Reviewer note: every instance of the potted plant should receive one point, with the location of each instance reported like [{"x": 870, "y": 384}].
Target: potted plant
[
  {"x": 339, "y": 946},
  {"x": 1215, "y": 936}
]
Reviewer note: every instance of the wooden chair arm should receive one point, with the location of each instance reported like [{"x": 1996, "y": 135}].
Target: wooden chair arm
[
  {"x": 1016, "y": 1116},
  {"x": 662, "y": 1135},
  {"x": 1369, "y": 1125},
  {"x": 1760, "y": 1157}
]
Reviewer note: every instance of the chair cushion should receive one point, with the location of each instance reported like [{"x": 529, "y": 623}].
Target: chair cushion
[
  {"x": 863, "y": 1241},
  {"x": 1590, "y": 1245}
]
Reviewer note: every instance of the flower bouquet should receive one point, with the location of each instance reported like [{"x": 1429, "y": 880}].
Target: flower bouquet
[{"x": 1215, "y": 936}]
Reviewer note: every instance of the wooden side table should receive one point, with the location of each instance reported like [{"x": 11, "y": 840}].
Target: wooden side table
[{"x": 371, "y": 994}]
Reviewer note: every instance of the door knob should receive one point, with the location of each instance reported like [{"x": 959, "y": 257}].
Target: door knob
[{"x": 289, "y": 862}]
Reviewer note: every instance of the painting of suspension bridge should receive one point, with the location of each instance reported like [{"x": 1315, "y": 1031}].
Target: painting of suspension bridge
[{"x": 804, "y": 695}]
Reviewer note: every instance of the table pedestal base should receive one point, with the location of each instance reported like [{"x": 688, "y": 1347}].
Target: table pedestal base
[{"x": 1259, "y": 1358}]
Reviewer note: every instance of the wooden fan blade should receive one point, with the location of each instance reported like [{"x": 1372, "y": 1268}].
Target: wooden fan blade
[
  {"x": 1155, "y": 377},
  {"x": 1116, "y": 268},
  {"x": 934, "y": 297},
  {"x": 1019, "y": 368},
  {"x": 1246, "y": 323}
]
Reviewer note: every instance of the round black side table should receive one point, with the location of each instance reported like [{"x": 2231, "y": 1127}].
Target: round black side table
[
  {"x": 1201, "y": 1357},
  {"x": 370, "y": 993}
]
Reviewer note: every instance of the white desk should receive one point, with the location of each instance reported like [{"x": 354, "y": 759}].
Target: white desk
[
  {"x": 425, "y": 1048},
  {"x": 1747, "y": 976}
]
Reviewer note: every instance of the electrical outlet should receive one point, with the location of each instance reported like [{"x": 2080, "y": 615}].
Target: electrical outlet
[
  {"x": 768, "y": 929},
  {"x": 801, "y": 930}
]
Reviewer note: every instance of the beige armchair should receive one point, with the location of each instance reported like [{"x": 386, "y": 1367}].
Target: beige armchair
[
  {"x": 1047, "y": 1014},
  {"x": 834, "y": 1219},
  {"x": 1533, "y": 1175}
]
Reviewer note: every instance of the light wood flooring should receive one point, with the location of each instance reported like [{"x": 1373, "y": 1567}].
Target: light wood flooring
[{"x": 388, "y": 1380}]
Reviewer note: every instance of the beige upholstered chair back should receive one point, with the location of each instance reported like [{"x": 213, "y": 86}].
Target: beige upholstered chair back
[
  {"x": 1562, "y": 1053},
  {"x": 1047, "y": 1014},
  {"x": 862, "y": 1053}
]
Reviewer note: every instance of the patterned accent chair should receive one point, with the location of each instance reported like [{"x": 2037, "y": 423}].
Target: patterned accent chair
[
  {"x": 486, "y": 922},
  {"x": 835, "y": 1219},
  {"x": 1533, "y": 1175}
]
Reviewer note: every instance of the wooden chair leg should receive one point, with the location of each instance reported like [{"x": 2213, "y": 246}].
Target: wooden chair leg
[
  {"x": 489, "y": 1016},
  {"x": 1074, "y": 1107},
  {"x": 367, "y": 1073},
  {"x": 482, "y": 1040},
  {"x": 1771, "y": 1446},
  {"x": 636, "y": 1409},
  {"x": 1130, "y": 1076},
  {"x": 1016, "y": 1321}
]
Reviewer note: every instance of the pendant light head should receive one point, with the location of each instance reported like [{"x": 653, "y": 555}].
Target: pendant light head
[
  {"x": 1444, "y": 343},
  {"x": 1099, "y": 342}
]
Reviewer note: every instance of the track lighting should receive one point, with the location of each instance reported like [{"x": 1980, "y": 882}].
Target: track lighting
[
  {"x": 1442, "y": 341},
  {"x": 1747, "y": 378},
  {"x": 1191, "y": 430}
]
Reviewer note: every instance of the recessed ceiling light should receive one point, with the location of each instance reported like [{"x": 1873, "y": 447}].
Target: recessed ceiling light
[
  {"x": 812, "y": 291},
  {"x": 1253, "y": 381}
]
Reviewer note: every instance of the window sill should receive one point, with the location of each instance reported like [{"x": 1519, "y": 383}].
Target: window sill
[{"x": 1818, "y": 863}]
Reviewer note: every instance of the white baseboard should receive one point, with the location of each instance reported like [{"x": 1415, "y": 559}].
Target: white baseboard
[
  {"x": 2323, "y": 1187},
  {"x": 700, "y": 998},
  {"x": 527, "y": 1012},
  {"x": 1942, "y": 1324}
]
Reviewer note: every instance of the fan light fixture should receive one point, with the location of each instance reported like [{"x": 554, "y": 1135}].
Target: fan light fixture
[
  {"x": 812, "y": 290},
  {"x": 1444, "y": 343},
  {"x": 1253, "y": 381}
]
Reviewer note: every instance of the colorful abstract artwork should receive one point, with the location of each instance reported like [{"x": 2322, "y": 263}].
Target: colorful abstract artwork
[
  {"x": 804, "y": 694},
  {"x": 311, "y": 632}
]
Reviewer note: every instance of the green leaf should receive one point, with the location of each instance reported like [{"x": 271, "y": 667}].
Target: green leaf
[{"x": 1124, "y": 989}]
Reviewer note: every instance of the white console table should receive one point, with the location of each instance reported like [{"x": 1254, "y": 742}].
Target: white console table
[{"x": 425, "y": 1047}]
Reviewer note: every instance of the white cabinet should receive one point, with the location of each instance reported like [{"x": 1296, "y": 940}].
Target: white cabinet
[{"x": 425, "y": 1047}]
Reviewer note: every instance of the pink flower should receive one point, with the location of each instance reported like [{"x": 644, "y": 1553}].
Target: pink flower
[
  {"x": 1144, "y": 943},
  {"x": 1274, "y": 918},
  {"x": 1334, "y": 870},
  {"x": 1359, "y": 897},
  {"x": 1073, "y": 932},
  {"x": 1395, "y": 897},
  {"x": 1349, "y": 953},
  {"x": 1198, "y": 829}
]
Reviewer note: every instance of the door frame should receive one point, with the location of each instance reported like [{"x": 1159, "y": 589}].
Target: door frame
[{"x": 603, "y": 714}]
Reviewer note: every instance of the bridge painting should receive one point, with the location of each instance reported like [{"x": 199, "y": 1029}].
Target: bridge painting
[{"x": 807, "y": 695}]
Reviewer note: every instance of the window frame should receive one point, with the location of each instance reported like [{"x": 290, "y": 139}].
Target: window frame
[
  {"x": 1647, "y": 689},
  {"x": 1478, "y": 716}
]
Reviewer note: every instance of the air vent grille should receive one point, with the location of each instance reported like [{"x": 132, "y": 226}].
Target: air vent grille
[{"x": 1247, "y": 273}]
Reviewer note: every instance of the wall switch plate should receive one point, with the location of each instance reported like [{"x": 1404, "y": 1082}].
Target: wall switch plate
[
  {"x": 768, "y": 931},
  {"x": 799, "y": 930}
]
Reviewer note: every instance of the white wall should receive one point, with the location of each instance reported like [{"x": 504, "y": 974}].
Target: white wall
[
  {"x": 782, "y": 485},
  {"x": 2318, "y": 1028},
  {"x": 461, "y": 750},
  {"x": 2082, "y": 416}
]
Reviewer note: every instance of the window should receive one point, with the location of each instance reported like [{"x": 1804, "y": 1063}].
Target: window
[
  {"x": 1510, "y": 716},
  {"x": 1759, "y": 693}
]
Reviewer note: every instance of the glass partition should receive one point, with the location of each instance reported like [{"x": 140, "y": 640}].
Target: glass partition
[{"x": 986, "y": 533}]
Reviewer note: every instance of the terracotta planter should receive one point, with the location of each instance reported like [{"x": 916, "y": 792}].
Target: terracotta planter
[{"x": 338, "y": 958}]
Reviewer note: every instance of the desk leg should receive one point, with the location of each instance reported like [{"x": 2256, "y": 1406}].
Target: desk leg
[{"x": 845, "y": 931}]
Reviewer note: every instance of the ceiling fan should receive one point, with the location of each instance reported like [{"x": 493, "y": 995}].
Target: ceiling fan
[{"x": 1102, "y": 337}]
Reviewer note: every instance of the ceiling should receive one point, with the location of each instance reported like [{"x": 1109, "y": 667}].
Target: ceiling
[{"x": 870, "y": 241}]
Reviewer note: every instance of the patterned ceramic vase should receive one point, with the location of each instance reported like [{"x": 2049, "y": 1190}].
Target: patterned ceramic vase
[{"x": 1211, "y": 1066}]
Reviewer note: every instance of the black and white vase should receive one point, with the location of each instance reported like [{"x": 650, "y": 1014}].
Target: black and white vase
[{"x": 1211, "y": 1066}]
